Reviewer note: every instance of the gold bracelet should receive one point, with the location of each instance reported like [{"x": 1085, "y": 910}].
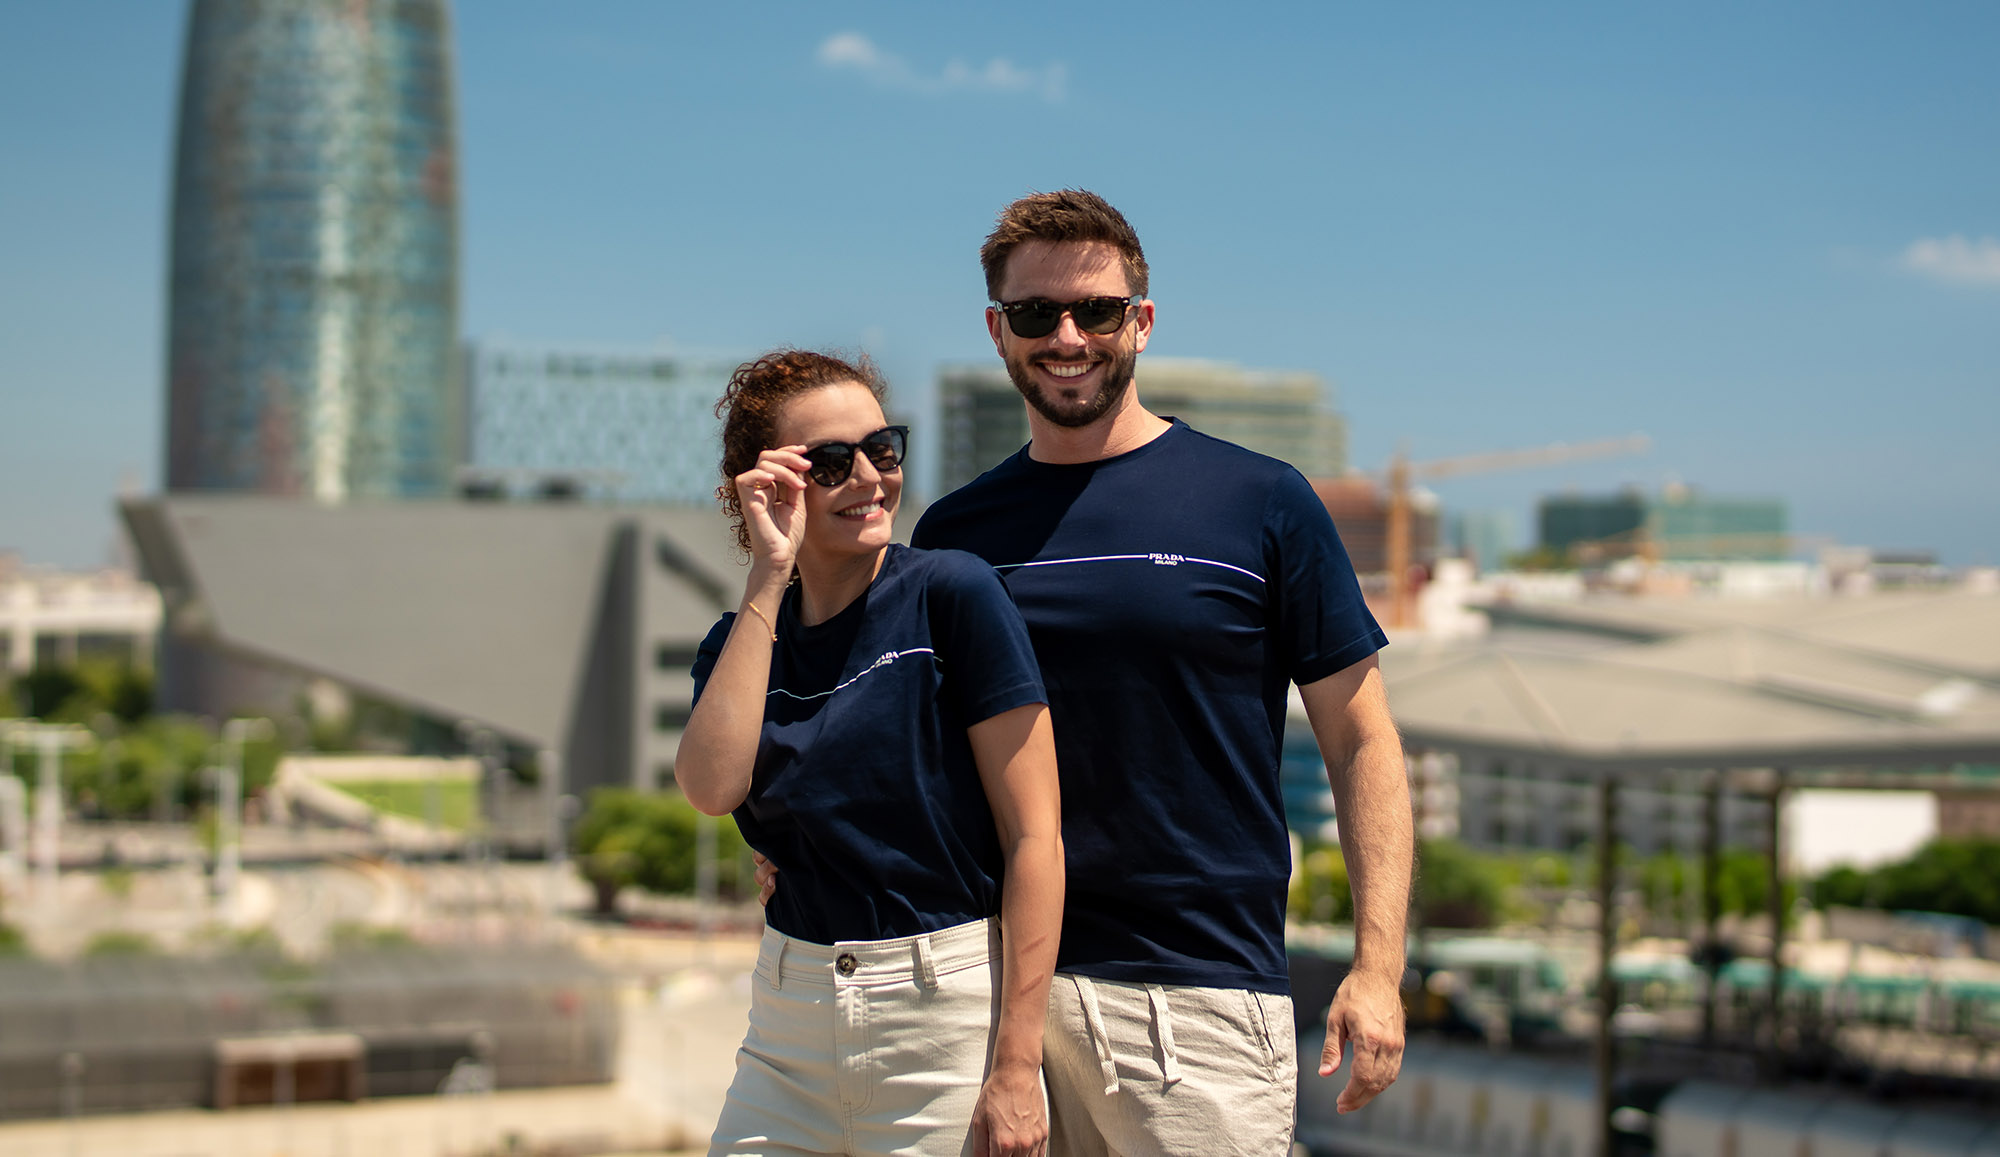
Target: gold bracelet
[{"x": 766, "y": 618}]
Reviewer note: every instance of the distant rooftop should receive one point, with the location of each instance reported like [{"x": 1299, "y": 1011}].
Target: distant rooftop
[{"x": 1888, "y": 680}]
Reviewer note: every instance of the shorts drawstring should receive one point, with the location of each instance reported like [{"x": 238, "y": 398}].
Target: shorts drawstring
[
  {"x": 1163, "y": 1027},
  {"x": 1163, "y": 1031},
  {"x": 1099, "y": 1039}
]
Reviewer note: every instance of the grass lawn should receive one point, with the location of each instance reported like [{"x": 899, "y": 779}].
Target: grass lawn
[{"x": 456, "y": 800}]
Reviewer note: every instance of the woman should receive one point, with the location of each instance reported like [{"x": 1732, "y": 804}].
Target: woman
[{"x": 874, "y": 717}]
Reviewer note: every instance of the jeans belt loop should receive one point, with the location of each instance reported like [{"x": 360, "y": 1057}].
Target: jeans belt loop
[{"x": 926, "y": 963}]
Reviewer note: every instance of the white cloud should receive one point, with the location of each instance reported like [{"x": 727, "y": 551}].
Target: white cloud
[
  {"x": 1955, "y": 259},
  {"x": 851, "y": 51}
]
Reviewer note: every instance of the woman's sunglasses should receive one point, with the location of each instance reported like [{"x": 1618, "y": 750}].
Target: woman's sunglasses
[
  {"x": 832, "y": 462},
  {"x": 1039, "y": 317}
]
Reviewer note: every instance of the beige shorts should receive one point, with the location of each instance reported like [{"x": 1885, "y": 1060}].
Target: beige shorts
[
  {"x": 1137, "y": 1070},
  {"x": 864, "y": 1047}
]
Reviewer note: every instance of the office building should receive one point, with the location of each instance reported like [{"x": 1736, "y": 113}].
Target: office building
[
  {"x": 1360, "y": 510},
  {"x": 1486, "y": 538},
  {"x": 631, "y": 428},
  {"x": 313, "y": 313},
  {"x": 1678, "y": 525},
  {"x": 59, "y": 618},
  {"x": 1286, "y": 414}
]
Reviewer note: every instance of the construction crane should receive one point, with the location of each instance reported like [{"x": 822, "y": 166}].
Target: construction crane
[{"x": 1402, "y": 472}]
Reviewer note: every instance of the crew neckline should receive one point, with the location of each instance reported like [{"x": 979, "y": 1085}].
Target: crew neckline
[
  {"x": 791, "y": 612},
  {"x": 1174, "y": 427}
]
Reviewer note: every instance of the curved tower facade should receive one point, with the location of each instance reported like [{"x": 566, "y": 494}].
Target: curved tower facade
[{"x": 313, "y": 324}]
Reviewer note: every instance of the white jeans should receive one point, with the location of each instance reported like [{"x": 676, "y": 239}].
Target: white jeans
[
  {"x": 864, "y": 1047},
  {"x": 1145, "y": 1070}
]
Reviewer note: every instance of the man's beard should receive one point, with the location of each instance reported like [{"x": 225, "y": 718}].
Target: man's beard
[{"x": 1117, "y": 379}]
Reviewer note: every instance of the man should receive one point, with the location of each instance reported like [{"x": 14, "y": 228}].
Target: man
[{"x": 1174, "y": 585}]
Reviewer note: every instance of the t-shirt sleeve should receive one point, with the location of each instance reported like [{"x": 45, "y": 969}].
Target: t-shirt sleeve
[
  {"x": 705, "y": 656},
  {"x": 1325, "y": 625},
  {"x": 923, "y": 537},
  {"x": 988, "y": 662}
]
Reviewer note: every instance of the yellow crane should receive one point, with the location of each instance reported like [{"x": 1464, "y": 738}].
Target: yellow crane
[{"x": 1402, "y": 472}]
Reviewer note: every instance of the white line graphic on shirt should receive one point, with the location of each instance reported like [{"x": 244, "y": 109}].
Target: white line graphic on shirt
[
  {"x": 887, "y": 658},
  {"x": 1157, "y": 558}
]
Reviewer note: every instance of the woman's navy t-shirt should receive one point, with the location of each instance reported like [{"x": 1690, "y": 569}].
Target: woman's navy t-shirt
[{"x": 864, "y": 792}]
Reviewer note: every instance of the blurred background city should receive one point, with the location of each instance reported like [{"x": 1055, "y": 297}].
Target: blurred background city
[{"x": 357, "y": 454}]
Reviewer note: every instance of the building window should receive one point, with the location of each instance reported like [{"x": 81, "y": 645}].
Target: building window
[
  {"x": 671, "y": 716},
  {"x": 673, "y": 657}
]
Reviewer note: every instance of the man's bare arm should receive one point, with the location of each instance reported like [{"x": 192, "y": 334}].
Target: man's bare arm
[{"x": 1357, "y": 737}]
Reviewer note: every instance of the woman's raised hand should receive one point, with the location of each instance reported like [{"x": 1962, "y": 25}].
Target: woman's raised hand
[{"x": 772, "y": 494}]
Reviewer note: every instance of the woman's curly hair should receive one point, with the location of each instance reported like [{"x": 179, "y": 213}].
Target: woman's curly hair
[{"x": 750, "y": 405}]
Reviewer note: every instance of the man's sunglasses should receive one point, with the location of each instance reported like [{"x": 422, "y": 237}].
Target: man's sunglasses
[
  {"x": 1039, "y": 317},
  {"x": 833, "y": 462}
]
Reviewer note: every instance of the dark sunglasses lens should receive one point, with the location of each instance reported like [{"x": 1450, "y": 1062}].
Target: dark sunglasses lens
[
  {"x": 1099, "y": 315},
  {"x": 885, "y": 448},
  {"x": 831, "y": 463},
  {"x": 1034, "y": 318}
]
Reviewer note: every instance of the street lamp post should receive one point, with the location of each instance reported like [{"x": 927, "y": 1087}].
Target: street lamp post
[
  {"x": 13, "y": 832},
  {"x": 560, "y": 810},
  {"x": 484, "y": 744},
  {"x": 229, "y": 807},
  {"x": 49, "y": 739}
]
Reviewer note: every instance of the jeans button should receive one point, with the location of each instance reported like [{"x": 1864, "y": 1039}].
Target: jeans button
[{"x": 846, "y": 964}]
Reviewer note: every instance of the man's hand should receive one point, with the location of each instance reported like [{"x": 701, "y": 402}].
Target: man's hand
[
  {"x": 767, "y": 878},
  {"x": 1010, "y": 1119},
  {"x": 1367, "y": 1012}
]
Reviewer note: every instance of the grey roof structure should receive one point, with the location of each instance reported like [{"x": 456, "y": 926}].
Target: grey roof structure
[
  {"x": 565, "y": 627},
  {"x": 1828, "y": 686},
  {"x": 571, "y": 627}
]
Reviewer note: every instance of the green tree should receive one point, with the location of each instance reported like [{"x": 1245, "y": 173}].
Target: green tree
[
  {"x": 647, "y": 839},
  {"x": 86, "y": 692},
  {"x": 1844, "y": 886},
  {"x": 1320, "y": 893},
  {"x": 155, "y": 768},
  {"x": 130, "y": 696},
  {"x": 1671, "y": 883},
  {"x": 121, "y": 943},
  {"x": 1956, "y": 877},
  {"x": 1538, "y": 558},
  {"x": 44, "y": 690},
  {"x": 1457, "y": 887},
  {"x": 1744, "y": 883}
]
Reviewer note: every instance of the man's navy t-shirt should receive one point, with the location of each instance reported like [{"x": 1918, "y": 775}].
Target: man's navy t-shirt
[
  {"x": 1172, "y": 593},
  {"x": 864, "y": 791}
]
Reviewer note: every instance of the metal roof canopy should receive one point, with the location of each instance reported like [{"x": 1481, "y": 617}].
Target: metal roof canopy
[
  {"x": 1834, "y": 703},
  {"x": 1896, "y": 691}
]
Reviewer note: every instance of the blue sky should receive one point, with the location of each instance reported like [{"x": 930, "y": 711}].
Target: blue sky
[{"x": 1767, "y": 235}]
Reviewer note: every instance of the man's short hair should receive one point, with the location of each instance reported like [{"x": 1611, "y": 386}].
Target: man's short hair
[{"x": 1065, "y": 215}]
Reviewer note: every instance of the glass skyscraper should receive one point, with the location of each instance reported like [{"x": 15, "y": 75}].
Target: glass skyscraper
[{"x": 314, "y": 296}]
